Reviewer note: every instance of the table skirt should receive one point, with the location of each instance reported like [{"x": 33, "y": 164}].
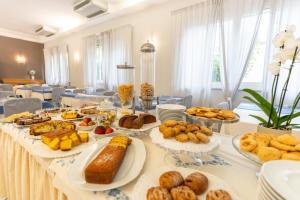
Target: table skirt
[{"x": 21, "y": 176}]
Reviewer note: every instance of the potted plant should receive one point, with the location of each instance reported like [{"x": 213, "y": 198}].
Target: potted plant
[{"x": 285, "y": 58}]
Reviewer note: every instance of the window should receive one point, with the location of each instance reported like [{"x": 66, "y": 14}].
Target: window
[{"x": 254, "y": 75}]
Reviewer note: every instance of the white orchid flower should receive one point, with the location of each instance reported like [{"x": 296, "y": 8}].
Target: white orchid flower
[
  {"x": 274, "y": 68},
  {"x": 289, "y": 53},
  {"x": 291, "y": 28},
  {"x": 291, "y": 43},
  {"x": 280, "y": 57},
  {"x": 281, "y": 38}
]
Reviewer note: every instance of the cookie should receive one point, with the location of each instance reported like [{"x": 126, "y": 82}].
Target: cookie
[
  {"x": 290, "y": 156},
  {"x": 268, "y": 153},
  {"x": 288, "y": 139},
  {"x": 182, "y": 137},
  {"x": 280, "y": 146},
  {"x": 248, "y": 144},
  {"x": 206, "y": 130},
  {"x": 193, "y": 137},
  {"x": 170, "y": 123},
  {"x": 202, "y": 137}
]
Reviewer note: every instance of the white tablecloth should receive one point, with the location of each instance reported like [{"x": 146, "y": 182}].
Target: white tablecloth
[{"x": 34, "y": 178}]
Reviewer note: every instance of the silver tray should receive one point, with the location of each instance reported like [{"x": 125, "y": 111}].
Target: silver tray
[{"x": 208, "y": 120}]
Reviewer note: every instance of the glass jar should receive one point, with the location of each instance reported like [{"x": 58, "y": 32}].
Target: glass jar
[
  {"x": 147, "y": 70},
  {"x": 126, "y": 79}
]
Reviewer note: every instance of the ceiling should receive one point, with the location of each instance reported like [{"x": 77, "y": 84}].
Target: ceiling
[{"x": 19, "y": 18}]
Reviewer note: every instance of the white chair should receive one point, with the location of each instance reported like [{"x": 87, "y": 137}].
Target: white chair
[
  {"x": 14, "y": 106},
  {"x": 6, "y": 87},
  {"x": 5, "y": 94}
]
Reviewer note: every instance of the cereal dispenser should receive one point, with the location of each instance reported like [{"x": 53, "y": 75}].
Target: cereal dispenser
[
  {"x": 147, "y": 75},
  {"x": 126, "y": 79}
]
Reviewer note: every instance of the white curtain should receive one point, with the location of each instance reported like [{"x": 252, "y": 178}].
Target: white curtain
[
  {"x": 194, "y": 36},
  {"x": 89, "y": 62},
  {"x": 239, "y": 26},
  {"x": 116, "y": 48},
  {"x": 57, "y": 65},
  {"x": 282, "y": 14}
]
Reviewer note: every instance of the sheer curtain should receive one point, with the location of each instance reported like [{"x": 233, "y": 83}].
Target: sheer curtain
[
  {"x": 194, "y": 36},
  {"x": 283, "y": 14},
  {"x": 89, "y": 62},
  {"x": 116, "y": 48},
  {"x": 57, "y": 65},
  {"x": 239, "y": 26}
]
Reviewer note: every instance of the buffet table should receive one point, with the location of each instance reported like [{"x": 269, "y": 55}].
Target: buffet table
[{"x": 26, "y": 176}]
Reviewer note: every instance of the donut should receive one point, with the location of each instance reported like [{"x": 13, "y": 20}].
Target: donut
[{"x": 280, "y": 146}]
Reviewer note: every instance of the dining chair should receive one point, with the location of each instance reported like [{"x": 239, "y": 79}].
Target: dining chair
[
  {"x": 56, "y": 95},
  {"x": 6, "y": 87},
  {"x": 76, "y": 91},
  {"x": 5, "y": 94},
  {"x": 14, "y": 106}
]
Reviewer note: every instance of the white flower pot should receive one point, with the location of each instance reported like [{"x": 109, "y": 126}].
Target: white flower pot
[{"x": 263, "y": 129}]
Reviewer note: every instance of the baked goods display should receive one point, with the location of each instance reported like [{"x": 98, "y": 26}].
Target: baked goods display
[
  {"x": 136, "y": 121},
  {"x": 173, "y": 186},
  {"x": 105, "y": 166},
  {"x": 45, "y": 127},
  {"x": 90, "y": 110},
  {"x": 71, "y": 115},
  {"x": 12, "y": 118},
  {"x": 125, "y": 93},
  {"x": 212, "y": 113},
  {"x": 64, "y": 139},
  {"x": 29, "y": 120},
  {"x": 185, "y": 132},
  {"x": 271, "y": 146},
  {"x": 147, "y": 90}
]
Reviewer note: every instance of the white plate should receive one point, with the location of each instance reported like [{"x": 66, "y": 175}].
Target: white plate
[
  {"x": 171, "y": 107},
  {"x": 145, "y": 127},
  {"x": 284, "y": 177},
  {"x": 151, "y": 179},
  {"x": 267, "y": 188},
  {"x": 131, "y": 167},
  {"x": 42, "y": 150},
  {"x": 172, "y": 144},
  {"x": 86, "y": 128}
]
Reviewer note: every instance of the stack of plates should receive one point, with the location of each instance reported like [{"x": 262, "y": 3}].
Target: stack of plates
[
  {"x": 170, "y": 111},
  {"x": 279, "y": 180}
]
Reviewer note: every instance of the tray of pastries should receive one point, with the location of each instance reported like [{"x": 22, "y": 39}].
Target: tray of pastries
[
  {"x": 13, "y": 117},
  {"x": 110, "y": 163},
  {"x": 216, "y": 115},
  {"x": 186, "y": 137},
  {"x": 52, "y": 111},
  {"x": 45, "y": 127},
  {"x": 263, "y": 147},
  {"x": 29, "y": 120},
  {"x": 168, "y": 183},
  {"x": 136, "y": 123}
]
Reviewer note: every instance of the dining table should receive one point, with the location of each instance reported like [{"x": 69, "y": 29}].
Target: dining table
[{"x": 27, "y": 176}]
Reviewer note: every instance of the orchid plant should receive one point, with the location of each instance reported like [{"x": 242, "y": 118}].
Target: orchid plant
[{"x": 288, "y": 51}]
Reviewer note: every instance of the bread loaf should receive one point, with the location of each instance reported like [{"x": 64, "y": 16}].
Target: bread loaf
[{"x": 105, "y": 166}]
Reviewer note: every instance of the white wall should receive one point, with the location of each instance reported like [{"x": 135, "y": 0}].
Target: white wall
[{"x": 152, "y": 23}]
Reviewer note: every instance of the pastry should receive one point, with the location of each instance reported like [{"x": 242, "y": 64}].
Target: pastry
[
  {"x": 206, "y": 130},
  {"x": 182, "y": 128},
  {"x": 66, "y": 145},
  {"x": 278, "y": 145},
  {"x": 170, "y": 123},
  {"x": 170, "y": 179},
  {"x": 183, "y": 193},
  {"x": 168, "y": 132},
  {"x": 45, "y": 127},
  {"x": 191, "y": 128},
  {"x": 158, "y": 193},
  {"x": 193, "y": 137},
  {"x": 105, "y": 166},
  {"x": 197, "y": 182},
  {"x": 162, "y": 128},
  {"x": 29, "y": 120},
  {"x": 290, "y": 156},
  {"x": 182, "y": 137},
  {"x": 127, "y": 120},
  {"x": 268, "y": 153},
  {"x": 248, "y": 144},
  {"x": 211, "y": 113},
  {"x": 148, "y": 119},
  {"x": 288, "y": 139},
  {"x": 218, "y": 195},
  {"x": 182, "y": 123},
  {"x": 13, "y": 117},
  {"x": 176, "y": 130},
  {"x": 202, "y": 137}
]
